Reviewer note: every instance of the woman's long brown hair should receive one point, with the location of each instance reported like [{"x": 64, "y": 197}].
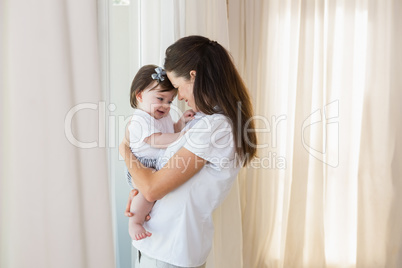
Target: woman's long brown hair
[{"x": 217, "y": 84}]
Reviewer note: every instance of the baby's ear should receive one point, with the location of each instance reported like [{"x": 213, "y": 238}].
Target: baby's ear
[{"x": 139, "y": 96}]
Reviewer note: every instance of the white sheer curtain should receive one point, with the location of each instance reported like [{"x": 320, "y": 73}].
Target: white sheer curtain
[
  {"x": 55, "y": 206},
  {"x": 325, "y": 75}
]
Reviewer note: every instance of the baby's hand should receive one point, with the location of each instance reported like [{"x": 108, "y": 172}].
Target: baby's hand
[{"x": 188, "y": 115}]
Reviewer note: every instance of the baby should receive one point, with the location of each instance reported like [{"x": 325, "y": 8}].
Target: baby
[{"x": 151, "y": 130}]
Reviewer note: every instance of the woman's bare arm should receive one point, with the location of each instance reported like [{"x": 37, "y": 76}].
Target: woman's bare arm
[{"x": 156, "y": 184}]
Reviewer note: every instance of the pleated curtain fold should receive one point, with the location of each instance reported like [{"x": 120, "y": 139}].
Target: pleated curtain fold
[{"x": 55, "y": 205}]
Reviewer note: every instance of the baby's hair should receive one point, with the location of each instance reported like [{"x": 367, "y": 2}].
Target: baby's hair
[{"x": 143, "y": 79}]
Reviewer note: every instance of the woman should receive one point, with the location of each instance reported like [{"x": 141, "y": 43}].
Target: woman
[{"x": 197, "y": 171}]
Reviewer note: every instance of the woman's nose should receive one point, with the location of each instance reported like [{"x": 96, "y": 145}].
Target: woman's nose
[{"x": 179, "y": 97}]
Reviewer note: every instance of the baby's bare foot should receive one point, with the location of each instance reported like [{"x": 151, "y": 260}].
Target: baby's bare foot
[
  {"x": 143, "y": 235},
  {"x": 137, "y": 232}
]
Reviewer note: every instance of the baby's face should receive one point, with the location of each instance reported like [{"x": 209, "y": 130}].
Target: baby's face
[{"x": 155, "y": 102}]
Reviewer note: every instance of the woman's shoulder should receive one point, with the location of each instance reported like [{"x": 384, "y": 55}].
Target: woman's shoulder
[
  {"x": 218, "y": 116},
  {"x": 213, "y": 121},
  {"x": 210, "y": 128},
  {"x": 211, "y": 137}
]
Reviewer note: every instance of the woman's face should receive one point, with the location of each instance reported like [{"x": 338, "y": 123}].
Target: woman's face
[{"x": 185, "y": 88}]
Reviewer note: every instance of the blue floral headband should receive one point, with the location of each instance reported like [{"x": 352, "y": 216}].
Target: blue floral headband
[{"x": 159, "y": 75}]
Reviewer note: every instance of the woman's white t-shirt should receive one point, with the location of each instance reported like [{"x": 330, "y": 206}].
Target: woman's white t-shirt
[{"x": 181, "y": 222}]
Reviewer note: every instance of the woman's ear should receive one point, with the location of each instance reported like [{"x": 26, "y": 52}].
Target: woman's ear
[{"x": 192, "y": 75}]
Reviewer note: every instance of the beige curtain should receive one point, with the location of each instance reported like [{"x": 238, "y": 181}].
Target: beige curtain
[
  {"x": 55, "y": 207},
  {"x": 325, "y": 80}
]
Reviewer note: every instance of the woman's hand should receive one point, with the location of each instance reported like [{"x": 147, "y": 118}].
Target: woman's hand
[
  {"x": 122, "y": 148},
  {"x": 133, "y": 193},
  {"x": 124, "y": 143}
]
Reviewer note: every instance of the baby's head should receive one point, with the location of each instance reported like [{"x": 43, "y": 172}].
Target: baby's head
[{"x": 152, "y": 92}]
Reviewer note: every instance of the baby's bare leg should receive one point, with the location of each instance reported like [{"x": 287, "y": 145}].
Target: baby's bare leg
[{"x": 141, "y": 208}]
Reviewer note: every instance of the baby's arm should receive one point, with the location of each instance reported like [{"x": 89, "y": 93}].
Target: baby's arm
[
  {"x": 187, "y": 116},
  {"x": 163, "y": 140}
]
